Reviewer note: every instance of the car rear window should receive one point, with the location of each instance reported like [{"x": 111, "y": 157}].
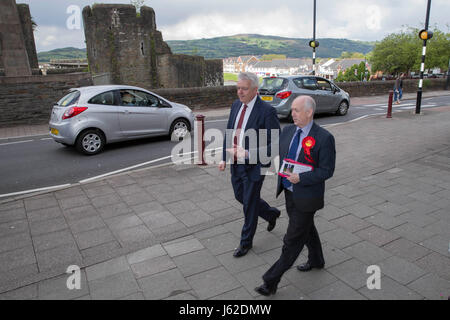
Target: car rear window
[
  {"x": 69, "y": 99},
  {"x": 106, "y": 98},
  {"x": 272, "y": 85}
]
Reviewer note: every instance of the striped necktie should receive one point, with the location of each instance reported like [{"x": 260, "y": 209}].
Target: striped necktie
[
  {"x": 238, "y": 130},
  {"x": 292, "y": 154}
]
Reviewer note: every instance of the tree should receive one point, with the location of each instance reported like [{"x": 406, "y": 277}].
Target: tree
[
  {"x": 402, "y": 52},
  {"x": 349, "y": 74}
]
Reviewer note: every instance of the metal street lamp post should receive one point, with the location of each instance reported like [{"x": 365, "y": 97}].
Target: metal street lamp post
[
  {"x": 313, "y": 43},
  {"x": 424, "y": 34}
]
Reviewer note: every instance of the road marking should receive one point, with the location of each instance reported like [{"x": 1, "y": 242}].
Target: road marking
[
  {"x": 144, "y": 164},
  {"x": 223, "y": 120},
  {"x": 124, "y": 169},
  {"x": 20, "y": 137},
  {"x": 47, "y": 139},
  {"x": 17, "y": 142},
  {"x": 373, "y": 105},
  {"x": 34, "y": 190},
  {"x": 353, "y": 120}
]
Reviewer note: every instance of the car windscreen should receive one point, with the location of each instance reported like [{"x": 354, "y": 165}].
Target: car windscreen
[
  {"x": 272, "y": 85},
  {"x": 69, "y": 99}
]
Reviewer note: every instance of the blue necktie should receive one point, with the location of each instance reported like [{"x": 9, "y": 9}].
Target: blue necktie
[{"x": 292, "y": 154}]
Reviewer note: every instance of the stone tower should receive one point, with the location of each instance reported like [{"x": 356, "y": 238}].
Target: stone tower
[
  {"x": 128, "y": 46},
  {"x": 17, "y": 48}
]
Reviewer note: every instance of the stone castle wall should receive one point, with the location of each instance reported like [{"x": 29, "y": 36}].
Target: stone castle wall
[
  {"x": 29, "y": 100},
  {"x": 13, "y": 53},
  {"x": 372, "y": 88},
  {"x": 27, "y": 31},
  {"x": 18, "y": 55},
  {"x": 132, "y": 50}
]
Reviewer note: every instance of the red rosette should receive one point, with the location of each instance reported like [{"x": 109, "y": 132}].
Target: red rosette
[{"x": 307, "y": 144}]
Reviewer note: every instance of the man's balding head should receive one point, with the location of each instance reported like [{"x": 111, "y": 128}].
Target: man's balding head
[{"x": 303, "y": 108}]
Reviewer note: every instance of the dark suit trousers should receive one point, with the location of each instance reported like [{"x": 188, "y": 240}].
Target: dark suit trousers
[
  {"x": 248, "y": 193},
  {"x": 301, "y": 231}
]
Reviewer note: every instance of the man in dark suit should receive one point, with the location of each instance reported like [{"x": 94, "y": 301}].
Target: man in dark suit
[
  {"x": 307, "y": 143},
  {"x": 249, "y": 114}
]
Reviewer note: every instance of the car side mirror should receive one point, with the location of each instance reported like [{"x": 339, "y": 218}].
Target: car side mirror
[{"x": 164, "y": 104}]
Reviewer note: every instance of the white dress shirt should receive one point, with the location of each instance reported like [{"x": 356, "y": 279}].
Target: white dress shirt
[{"x": 250, "y": 106}]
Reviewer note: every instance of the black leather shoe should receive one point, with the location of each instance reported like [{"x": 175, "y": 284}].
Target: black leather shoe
[
  {"x": 265, "y": 290},
  {"x": 241, "y": 251},
  {"x": 273, "y": 223},
  {"x": 308, "y": 266}
]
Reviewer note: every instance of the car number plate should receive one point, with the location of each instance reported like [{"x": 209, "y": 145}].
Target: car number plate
[
  {"x": 267, "y": 98},
  {"x": 54, "y": 131}
]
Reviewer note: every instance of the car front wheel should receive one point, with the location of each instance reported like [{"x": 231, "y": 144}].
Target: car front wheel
[
  {"x": 90, "y": 142},
  {"x": 343, "y": 108},
  {"x": 179, "y": 129}
]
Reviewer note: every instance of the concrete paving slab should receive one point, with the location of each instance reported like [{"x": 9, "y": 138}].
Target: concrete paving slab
[
  {"x": 157, "y": 287},
  {"x": 390, "y": 290},
  {"x": 431, "y": 287},
  {"x": 116, "y": 286},
  {"x": 401, "y": 270},
  {"x": 196, "y": 262},
  {"x": 336, "y": 291},
  {"x": 152, "y": 266}
]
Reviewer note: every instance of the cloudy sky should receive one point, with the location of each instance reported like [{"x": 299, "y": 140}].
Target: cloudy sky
[{"x": 60, "y": 25}]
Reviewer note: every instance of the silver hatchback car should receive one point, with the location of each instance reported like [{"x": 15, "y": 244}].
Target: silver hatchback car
[
  {"x": 282, "y": 90},
  {"x": 90, "y": 117}
]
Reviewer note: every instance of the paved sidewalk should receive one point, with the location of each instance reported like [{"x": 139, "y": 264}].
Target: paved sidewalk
[{"x": 169, "y": 233}]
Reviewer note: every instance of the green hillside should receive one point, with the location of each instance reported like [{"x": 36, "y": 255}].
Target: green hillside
[
  {"x": 239, "y": 45},
  {"x": 253, "y": 44},
  {"x": 63, "y": 53}
]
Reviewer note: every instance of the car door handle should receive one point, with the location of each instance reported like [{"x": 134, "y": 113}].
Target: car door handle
[{"x": 126, "y": 111}]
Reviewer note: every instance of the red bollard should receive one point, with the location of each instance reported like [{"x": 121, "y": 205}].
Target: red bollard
[
  {"x": 201, "y": 141},
  {"x": 389, "y": 109}
]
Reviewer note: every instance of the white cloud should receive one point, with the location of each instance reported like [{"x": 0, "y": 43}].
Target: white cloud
[
  {"x": 53, "y": 37},
  {"x": 346, "y": 20},
  {"x": 183, "y": 20},
  {"x": 281, "y": 22}
]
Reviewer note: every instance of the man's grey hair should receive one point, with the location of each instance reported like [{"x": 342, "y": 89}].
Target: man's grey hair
[
  {"x": 308, "y": 102},
  {"x": 249, "y": 76}
]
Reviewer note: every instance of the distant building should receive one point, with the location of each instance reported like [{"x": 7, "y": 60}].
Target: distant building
[
  {"x": 68, "y": 63},
  {"x": 282, "y": 67},
  {"x": 330, "y": 68},
  {"x": 239, "y": 64}
]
